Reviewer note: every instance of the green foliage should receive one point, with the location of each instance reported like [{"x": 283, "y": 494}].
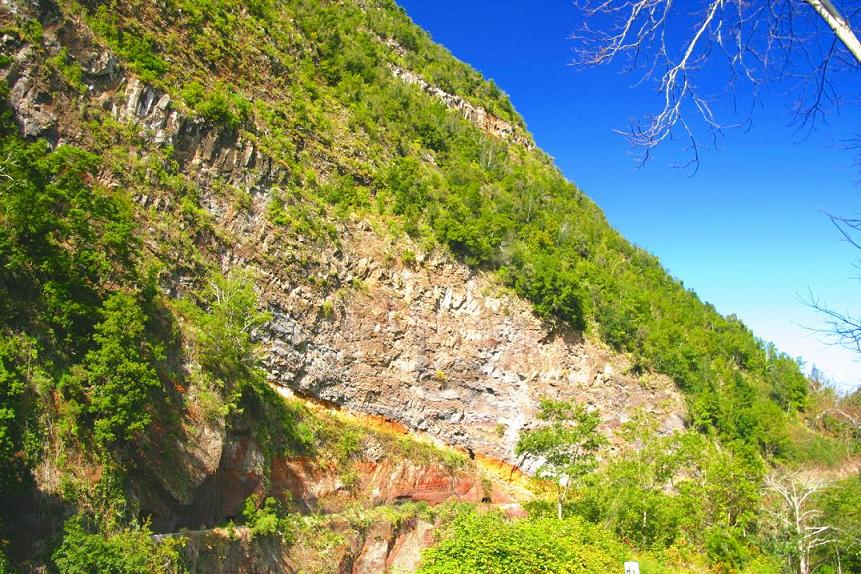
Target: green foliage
[
  {"x": 128, "y": 551},
  {"x": 840, "y": 508},
  {"x": 16, "y": 416},
  {"x": 488, "y": 543},
  {"x": 267, "y": 519},
  {"x": 117, "y": 375},
  {"x": 678, "y": 493},
  {"x": 789, "y": 387},
  {"x": 566, "y": 445},
  {"x": 63, "y": 243},
  {"x": 345, "y": 193},
  {"x": 75, "y": 308},
  {"x": 283, "y": 428},
  {"x": 61, "y": 240},
  {"x": 301, "y": 216},
  {"x": 68, "y": 69},
  {"x": 322, "y": 85},
  {"x": 220, "y": 104},
  {"x": 223, "y": 331},
  {"x": 726, "y": 549},
  {"x": 139, "y": 49}
]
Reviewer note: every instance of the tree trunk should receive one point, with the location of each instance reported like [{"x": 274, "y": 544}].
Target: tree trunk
[
  {"x": 803, "y": 553},
  {"x": 828, "y": 12},
  {"x": 559, "y": 508}
]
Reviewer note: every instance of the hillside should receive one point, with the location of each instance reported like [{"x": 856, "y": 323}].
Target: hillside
[{"x": 289, "y": 275}]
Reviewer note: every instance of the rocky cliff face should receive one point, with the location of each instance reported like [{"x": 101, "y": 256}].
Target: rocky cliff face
[
  {"x": 367, "y": 323},
  {"x": 175, "y": 500},
  {"x": 479, "y": 116},
  {"x": 443, "y": 350},
  {"x": 428, "y": 343},
  {"x": 348, "y": 548}
]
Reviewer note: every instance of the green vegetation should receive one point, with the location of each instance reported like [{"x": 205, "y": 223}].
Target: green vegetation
[
  {"x": 679, "y": 503},
  {"x": 129, "y": 551},
  {"x": 121, "y": 332},
  {"x": 224, "y": 323},
  {"x": 840, "y": 506},
  {"x": 319, "y": 76},
  {"x": 68, "y": 69},
  {"x": 485, "y": 543},
  {"x": 62, "y": 243},
  {"x": 115, "y": 378},
  {"x": 266, "y": 519},
  {"x": 220, "y": 104},
  {"x": 134, "y": 46},
  {"x": 676, "y": 492},
  {"x": 567, "y": 445}
]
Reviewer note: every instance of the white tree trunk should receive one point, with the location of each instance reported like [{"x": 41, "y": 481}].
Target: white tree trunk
[
  {"x": 828, "y": 12},
  {"x": 803, "y": 561},
  {"x": 798, "y": 514}
]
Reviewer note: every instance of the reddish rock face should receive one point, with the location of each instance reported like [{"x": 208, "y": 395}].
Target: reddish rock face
[
  {"x": 317, "y": 488},
  {"x": 307, "y": 485},
  {"x": 222, "y": 494},
  {"x": 388, "y": 482}
]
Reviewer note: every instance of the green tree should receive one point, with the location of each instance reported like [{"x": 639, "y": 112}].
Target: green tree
[
  {"x": 117, "y": 375},
  {"x": 631, "y": 495},
  {"x": 840, "y": 506},
  {"x": 129, "y": 551},
  {"x": 224, "y": 332},
  {"x": 12, "y": 393},
  {"x": 266, "y": 519},
  {"x": 566, "y": 445}
]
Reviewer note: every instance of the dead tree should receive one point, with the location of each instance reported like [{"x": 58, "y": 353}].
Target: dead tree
[
  {"x": 842, "y": 328},
  {"x": 748, "y": 41},
  {"x": 793, "y": 514}
]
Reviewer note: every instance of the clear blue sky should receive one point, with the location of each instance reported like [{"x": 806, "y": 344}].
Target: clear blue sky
[{"x": 746, "y": 232}]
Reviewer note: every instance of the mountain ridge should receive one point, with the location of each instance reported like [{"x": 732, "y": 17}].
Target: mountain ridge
[{"x": 252, "y": 195}]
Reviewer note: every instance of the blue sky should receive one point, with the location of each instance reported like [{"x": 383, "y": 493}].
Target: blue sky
[{"x": 746, "y": 232}]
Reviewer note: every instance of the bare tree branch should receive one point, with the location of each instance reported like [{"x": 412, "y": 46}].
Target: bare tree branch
[
  {"x": 839, "y": 24},
  {"x": 843, "y": 329},
  {"x": 793, "y": 513},
  {"x": 757, "y": 41}
]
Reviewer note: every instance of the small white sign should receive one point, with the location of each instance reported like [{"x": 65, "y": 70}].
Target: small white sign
[{"x": 632, "y": 568}]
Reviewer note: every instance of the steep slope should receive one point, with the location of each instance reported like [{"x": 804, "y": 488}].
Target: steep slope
[{"x": 322, "y": 180}]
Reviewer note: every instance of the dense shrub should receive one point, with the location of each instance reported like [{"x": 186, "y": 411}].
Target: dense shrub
[
  {"x": 117, "y": 375},
  {"x": 267, "y": 518},
  {"x": 16, "y": 416},
  {"x": 220, "y": 104},
  {"x": 489, "y": 543},
  {"x": 128, "y": 551}
]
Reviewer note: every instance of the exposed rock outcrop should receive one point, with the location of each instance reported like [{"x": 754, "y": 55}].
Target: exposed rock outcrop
[
  {"x": 486, "y": 121},
  {"x": 203, "y": 150},
  {"x": 340, "y": 548},
  {"x": 176, "y": 498},
  {"x": 434, "y": 346},
  {"x": 30, "y": 98},
  {"x": 442, "y": 349}
]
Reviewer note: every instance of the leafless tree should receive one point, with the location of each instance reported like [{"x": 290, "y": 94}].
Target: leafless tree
[
  {"x": 754, "y": 42},
  {"x": 842, "y": 328},
  {"x": 794, "y": 515}
]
